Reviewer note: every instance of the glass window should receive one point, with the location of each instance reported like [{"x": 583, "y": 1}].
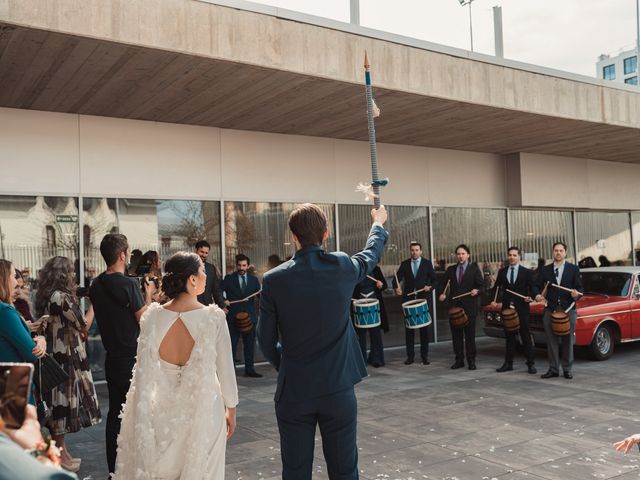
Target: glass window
[
  {"x": 34, "y": 229},
  {"x": 631, "y": 81},
  {"x": 610, "y": 284},
  {"x": 609, "y": 72},
  {"x": 484, "y": 231},
  {"x": 260, "y": 230},
  {"x": 405, "y": 224},
  {"x": 535, "y": 232},
  {"x": 165, "y": 226},
  {"x": 604, "y": 238},
  {"x": 630, "y": 65}
]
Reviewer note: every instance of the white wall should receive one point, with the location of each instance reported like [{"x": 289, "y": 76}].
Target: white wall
[{"x": 66, "y": 154}]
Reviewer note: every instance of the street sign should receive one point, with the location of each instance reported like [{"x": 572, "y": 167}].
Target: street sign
[{"x": 66, "y": 218}]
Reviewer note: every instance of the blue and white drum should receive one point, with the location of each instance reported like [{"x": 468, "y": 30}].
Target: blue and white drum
[
  {"x": 416, "y": 313},
  {"x": 367, "y": 312}
]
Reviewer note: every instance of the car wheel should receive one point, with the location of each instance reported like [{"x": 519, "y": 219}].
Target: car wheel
[{"x": 602, "y": 343}]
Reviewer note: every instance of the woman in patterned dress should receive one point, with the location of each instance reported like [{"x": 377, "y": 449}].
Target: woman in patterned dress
[{"x": 74, "y": 404}]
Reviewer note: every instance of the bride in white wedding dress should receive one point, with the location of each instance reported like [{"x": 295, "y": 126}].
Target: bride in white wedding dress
[{"x": 180, "y": 409}]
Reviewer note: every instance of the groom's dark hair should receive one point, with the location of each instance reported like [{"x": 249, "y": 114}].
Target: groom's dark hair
[{"x": 308, "y": 223}]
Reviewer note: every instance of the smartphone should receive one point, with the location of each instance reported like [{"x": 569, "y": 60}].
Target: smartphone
[{"x": 15, "y": 387}]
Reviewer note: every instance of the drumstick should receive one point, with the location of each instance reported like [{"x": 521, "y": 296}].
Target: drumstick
[
  {"x": 564, "y": 288},
  {"x": 516, "y": 294},
  {"x": 395, "y": 274},
  {"x": 495, "y": 297},
  {"x": 444, "y": 292},
  {"x": 371, "y": 278},
  {"x": 415, "y": 292},
  {"x": 246, "y": 298},
  {"x": 460, "y": 296},
  {"x": 570, "y": 307}
]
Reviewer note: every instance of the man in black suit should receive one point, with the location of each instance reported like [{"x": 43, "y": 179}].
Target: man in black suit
[
  {"x": 212, "y": 291},
  {"x": 305, "y": 331},
  {"x": 519, "y": 279},
  {"x": 416, "y": 273},
  {"x": 567, "y": 275},
  {"x": 464, "y": 277}
]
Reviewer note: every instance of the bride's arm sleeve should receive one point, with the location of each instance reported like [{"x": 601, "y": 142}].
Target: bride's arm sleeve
[{"x": 224, "y": 365}]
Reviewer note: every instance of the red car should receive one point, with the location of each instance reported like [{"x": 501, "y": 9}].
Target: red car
[{"x": 608, "y": 313}]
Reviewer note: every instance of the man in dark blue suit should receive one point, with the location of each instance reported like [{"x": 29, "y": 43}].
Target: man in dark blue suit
[
  {"x": 237, "y": 286},
  {"x": 305, "y": 332},
  {"x": 567, "y": 275}
]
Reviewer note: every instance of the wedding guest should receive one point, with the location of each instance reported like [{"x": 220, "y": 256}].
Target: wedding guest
[{"x": 74, "y": 404}]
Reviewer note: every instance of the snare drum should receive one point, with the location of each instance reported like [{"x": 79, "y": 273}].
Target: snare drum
[
  {"x": 458, "y": 317},
  {"x": 416, "y": 313},
  {"x": 560, "y": 324},
  {"x": 367, "y": 312},
  {"x": 510, "y": 320}
]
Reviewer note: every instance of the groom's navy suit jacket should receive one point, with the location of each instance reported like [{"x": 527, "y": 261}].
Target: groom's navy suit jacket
[{"x": 306, "y": 305}]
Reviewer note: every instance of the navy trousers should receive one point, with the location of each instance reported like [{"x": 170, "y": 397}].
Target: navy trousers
[
  {"x": 248, "y": 342},
  {"x": 376, "y": 354},
  {"x": 336, "y": 415}
]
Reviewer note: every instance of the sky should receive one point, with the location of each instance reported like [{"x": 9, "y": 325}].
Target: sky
[{"x": 568, "y": 35}]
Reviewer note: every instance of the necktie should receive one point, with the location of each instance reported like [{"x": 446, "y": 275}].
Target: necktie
[
  {"x": 513, "y": 274},
  {"x": 243, "y": 283},
  {"x": 460, "y": 273},
  {"x": 557, "y": 272},
  {"x": 414, "y": 266}
]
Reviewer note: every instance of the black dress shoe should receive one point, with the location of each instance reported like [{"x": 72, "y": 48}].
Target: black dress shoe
[
  {"x": 531, "y": 369},
  {"x": 408, "y": 361},
  {"x": 568, "y": 375},
  {"x": 472, "y": 365},
  {"x": 549, "y": 374},
  {"x": 457, "y": 365},
  {"x": 506, "y": 367},
  {"x": 425, "y": 361},
  {"x": 377, "y": 365},
  {"x": 252, "y": 374}
]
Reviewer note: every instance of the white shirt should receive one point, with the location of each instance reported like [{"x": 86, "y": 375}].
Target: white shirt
[
  {"x": 515, "y": 267},
  {"x": 415, "y": 262},
  {"x": 560, "y": 271}
]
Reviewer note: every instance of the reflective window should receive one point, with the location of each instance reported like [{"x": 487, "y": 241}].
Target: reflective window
[
  {"x": 484, "y": 231},
  {"x": 609, "y": 284},
  {"x": 164, "y": 226},
  {"x": 604, "y": 238},
  {"x": 535, "y": 232},
  {"x": 609, "y": 72},
  {"x": 405, "y": 224},
  {"x": 260, "y": 230},
  {"x": 631, "y": 80},
  {"x": 630, "y": 65}
]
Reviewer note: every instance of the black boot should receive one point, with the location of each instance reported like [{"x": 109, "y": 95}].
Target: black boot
[
  {"x": 457, "y": 364},
  {"x": 506, "y": 367}
]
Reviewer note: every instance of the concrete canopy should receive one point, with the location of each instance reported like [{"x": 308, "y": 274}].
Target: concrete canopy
[{"x": 192, "y": 62}]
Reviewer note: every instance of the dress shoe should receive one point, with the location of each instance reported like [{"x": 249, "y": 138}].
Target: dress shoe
[
  {"x": 252, "y": 374},
  {"x": 568, "y": 375},
  {"x": 408, "y": 361},
  {"x": 377, "y": 365},
  {"x": 72, "y": 467},
  {"x": 472, "y": 365},
  {"x": 531, "y": 369},
  {"x": 549, "y": 374},
  {"x": 506, "y": 367},
  {"x": 425, "y": 361},
  {"x": 457, "y": 365}
]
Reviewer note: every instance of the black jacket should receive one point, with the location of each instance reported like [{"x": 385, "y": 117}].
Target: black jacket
[
  {"x": 471, "y": 279},
  {"x": 212, "y": 291},
  {"x": 570, "y": 279},
  {"x": 367, "y": 286},
  {"x": 524, "y": 286},
  {"x": 426, "y": 276}
]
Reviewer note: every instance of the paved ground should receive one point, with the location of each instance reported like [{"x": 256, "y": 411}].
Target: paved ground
[{"x": 431, "y": 422}]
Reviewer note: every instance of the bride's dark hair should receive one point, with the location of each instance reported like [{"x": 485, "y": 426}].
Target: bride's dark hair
[{"x": 177, "y": 270}]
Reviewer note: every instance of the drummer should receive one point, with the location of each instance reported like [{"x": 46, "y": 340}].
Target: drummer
[
  {"x": 566, "y": 275},
  {"x": 519, "y": 279},
  {"x": 463, "y": 278},
  {"x": 369, "y": 288},
  {"x": 416, "y": 274}
]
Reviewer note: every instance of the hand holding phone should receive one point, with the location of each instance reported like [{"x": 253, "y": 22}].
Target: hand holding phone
[{"x": 15, "y": 387}]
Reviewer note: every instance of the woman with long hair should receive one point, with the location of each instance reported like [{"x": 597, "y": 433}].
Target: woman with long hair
[
  {"x": 181, "y": 406},
  {"x": 16, "y": 344},
  {"x": 74, "y": 404}
]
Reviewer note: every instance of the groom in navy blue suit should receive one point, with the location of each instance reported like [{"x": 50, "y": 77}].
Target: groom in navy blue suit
[{"x": 305, "y": 332}]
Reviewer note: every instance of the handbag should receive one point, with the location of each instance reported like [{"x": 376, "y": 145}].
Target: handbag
[{"x": 50, "y": 374}]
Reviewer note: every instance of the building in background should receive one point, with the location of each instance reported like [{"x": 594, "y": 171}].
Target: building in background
[
  {"x": 621, "y": 68},
  {"x": 206, "y": 120}
]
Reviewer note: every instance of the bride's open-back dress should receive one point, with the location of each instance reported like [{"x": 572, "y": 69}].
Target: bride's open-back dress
[{"x": 173, "y": 422}]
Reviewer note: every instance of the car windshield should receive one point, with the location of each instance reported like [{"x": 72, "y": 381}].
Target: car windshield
[{"x": 606, "y": 283}]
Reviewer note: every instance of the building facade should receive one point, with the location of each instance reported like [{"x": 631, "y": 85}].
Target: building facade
[
  {"x": 201, "y": 119},
  {"x": 621, "y": 68}
]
